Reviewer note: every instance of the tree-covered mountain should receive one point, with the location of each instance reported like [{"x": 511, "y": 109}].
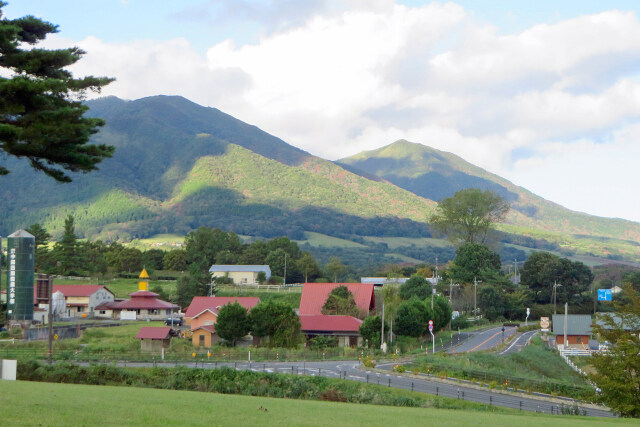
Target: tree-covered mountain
[
  {"x": 179, "y": 165},
  {"x": 435, "y": 175}
]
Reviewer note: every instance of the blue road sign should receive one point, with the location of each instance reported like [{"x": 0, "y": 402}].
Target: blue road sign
[{"x": 604, "y": 294}]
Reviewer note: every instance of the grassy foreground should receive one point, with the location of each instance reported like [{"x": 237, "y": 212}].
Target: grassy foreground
[{"x": 67, "y": 404}]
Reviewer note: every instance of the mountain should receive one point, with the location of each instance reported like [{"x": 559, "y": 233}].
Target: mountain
[
  {"x": 178, "y": 166},
  {"x": 435, "y": 175}
]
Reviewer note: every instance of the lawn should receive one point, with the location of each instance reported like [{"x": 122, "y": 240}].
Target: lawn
[
  {"x": 317, "y": 239},
  {"x": 67, "y": 404}
]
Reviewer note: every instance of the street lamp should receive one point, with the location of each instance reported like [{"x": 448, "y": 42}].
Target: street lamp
[
  {"x": 555, "y": 294},
  {"x": 475, "y": 294}
]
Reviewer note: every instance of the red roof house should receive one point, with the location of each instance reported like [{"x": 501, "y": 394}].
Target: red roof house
[
  {"x": 314, "y": 295},
  {"x": 200, "y": 304},
  {"x": 80, "y": 300},
  {"x": 345, "y": 328}
]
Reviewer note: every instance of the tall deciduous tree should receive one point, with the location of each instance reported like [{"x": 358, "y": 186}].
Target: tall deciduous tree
[
  {"x": 41, "y": 113},
  {"x": 543, "y": 269},
  {"x": 416, "y": 286},
  {"x": 370, "y": 330},
  {"x": 276, "y": 320},
  {"x": 335, "y": 268},
  {"x": 232, "y": 323},
  {"x": 468, "y": 215},
  {"x": 618, "y": 370},
  {"x": 340, "y": 302},
  {"x": 475, "y": 261}
]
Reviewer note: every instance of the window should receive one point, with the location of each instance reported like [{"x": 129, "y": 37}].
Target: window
[
  {"x": 80, "y": 309},
  {"x": 579, "y": 340},
  {"x": 103, "y": 312},
  {"x": 201, "y": 340},
  {"x": 153, "y": 311},
  {"x": 168, "y": 311}
]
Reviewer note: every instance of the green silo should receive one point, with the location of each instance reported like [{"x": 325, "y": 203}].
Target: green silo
[{"x": 20, "y": 260}]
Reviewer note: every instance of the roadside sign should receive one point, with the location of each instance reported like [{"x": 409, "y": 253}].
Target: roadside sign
[
  {"x": 430, "y": 325},
  {"x": 55, "y": 337},
  {"x": 528, "y": 311},
  {"x": 544, "y": 323},
  {"x": 604, "y": 294}
]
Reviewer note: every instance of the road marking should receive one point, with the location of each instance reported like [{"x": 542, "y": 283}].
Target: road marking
[{"x": 491, "y": 337}]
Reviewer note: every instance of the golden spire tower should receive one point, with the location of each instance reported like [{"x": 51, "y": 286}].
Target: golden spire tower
[{"x": 143, "y": 284}]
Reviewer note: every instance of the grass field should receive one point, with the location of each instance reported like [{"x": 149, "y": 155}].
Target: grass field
[
  {"x": 49, "y": 404},
  {"x": 317, "y": 239}
]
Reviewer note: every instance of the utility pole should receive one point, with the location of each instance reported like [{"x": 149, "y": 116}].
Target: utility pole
[
  {"x": 382, "y": 331},
  {"x": 435, "y": 284},
  {"x": 284, "y": 279},
  {"x": 475, "y": 296},
  {"x": 566, "y": 312},
  {"x": 555, "y": 295},
  {"x": 50, "y": 286}
]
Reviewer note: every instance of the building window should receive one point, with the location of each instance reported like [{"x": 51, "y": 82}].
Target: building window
[
  {"x": 80, "y": 309},
  {"x": 579, "y": 340},
  {"x": 103, "y": 312},
  {"x": 168, "y": 311},
  {"x": 201, "y": 340},
  {"x": 153, "y": 311}
]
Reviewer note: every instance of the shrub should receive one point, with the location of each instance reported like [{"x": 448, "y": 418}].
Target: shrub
[
  {"x": 401, "y": 369},
  {"x": 460, "y": 322},
  {"x": 368, "y": 362},
  {"x": 332, "y": 395}
]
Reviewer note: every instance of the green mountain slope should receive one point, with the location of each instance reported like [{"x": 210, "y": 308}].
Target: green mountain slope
[
  {"x": 179, "y": 165},
  {"x": 435, "y": 175}
]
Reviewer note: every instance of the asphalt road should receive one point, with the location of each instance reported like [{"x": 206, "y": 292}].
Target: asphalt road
[
  {"x": 518, "y": 343},
  {"x": 350, "y": 370},
  {"x": 484, "y": 340}
]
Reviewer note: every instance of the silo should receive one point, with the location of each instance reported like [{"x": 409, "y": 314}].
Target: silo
[{"x": 20, "y": 259}]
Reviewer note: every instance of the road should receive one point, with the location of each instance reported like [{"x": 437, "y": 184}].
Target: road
[
  {"x": 350, "y": 370},
  {"x": 484, "y": 339},
  {"x": 518, "y": 343}
]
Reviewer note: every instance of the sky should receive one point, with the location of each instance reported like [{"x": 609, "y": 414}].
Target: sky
[{"x": 544, "y": 93}]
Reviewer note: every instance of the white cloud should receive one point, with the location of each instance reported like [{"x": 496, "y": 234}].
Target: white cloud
[{"x": 553, "y": 97}]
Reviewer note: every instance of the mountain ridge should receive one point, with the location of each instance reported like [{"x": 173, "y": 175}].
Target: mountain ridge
[{"x": 179, "y": 165}]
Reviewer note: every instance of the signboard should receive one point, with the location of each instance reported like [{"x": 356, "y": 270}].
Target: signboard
[
  {"x": 11, "y": 296},
  {"x": 604, "y": 294},
  {"x": 430, "y": 325},
  {"x": 128, "y": 315},
  {"x": 544, "y": 323}
]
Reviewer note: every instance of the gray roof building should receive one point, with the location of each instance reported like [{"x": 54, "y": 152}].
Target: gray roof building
[
  {"x": 577, "y": 324},
  {"x": 241, "y": 268}
]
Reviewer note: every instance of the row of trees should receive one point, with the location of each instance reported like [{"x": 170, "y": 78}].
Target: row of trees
[{"x": 276, "y": 324}]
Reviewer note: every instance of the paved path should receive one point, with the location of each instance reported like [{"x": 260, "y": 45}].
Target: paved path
[{"x": 351, "y": 370}]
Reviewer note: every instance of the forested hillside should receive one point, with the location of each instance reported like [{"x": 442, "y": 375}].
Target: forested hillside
[{"x": 179, "y": 166}]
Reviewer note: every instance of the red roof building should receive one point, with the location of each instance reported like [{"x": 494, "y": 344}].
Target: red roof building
[
  {"x": 154, "y": 338},
  {"x": 200, "y": 304},
  {"x": 346, "y": 329},
  {"x": 145, "y": 305},
  {"x": 80, "y": 300},
  {"x": 314, "y": 295}
]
